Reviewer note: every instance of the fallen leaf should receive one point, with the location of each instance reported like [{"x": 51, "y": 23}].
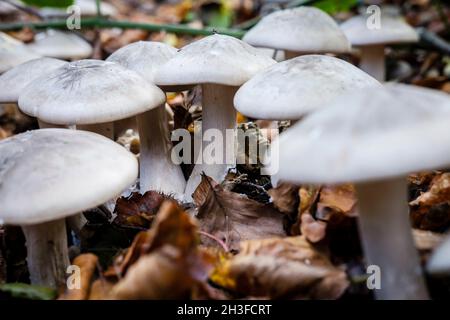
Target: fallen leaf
[
  {"x": 341, "y": 198},
  {"x": 285, "y": 197},
  {"x": 427, "y": 240},
  {"x": 312, "y": 229},
  {"x": 232, "y": 218},
  {"x": 88, "y": 264},
  {"x": 100, "y": 289},
  {"x": 281, "y": 268}
]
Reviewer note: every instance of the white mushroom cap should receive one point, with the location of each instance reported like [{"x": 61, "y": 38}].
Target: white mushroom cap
[
  {"x": 89, "y": 92},
  {"x": 293, "y": 88},
  {"x": 62, "y": 45},
  {"x": 16, "y": 79},
  {"x": 87, "y": 7},
  {"x": 439, "y": 262},
  {"x": 13, "y": 53},
  {"x": 372, "y": 134},
  {"x": 393, "y": 29},
  {"x": 217, "y": 59},
  {"x": 143, "y": 57},
  {"x": 303, "y": 30},
  {"x": 49, "y": 174}
]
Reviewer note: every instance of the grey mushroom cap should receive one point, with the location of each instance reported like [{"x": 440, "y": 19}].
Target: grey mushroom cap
[
  {"x": 144, "y": 57},
  {"x": 293, "y": 88},
  {"x": 16, "y": 79},
  {"x": 216, "y": 59},
  {"x": 49, "y": 174},
  {"x": 303, "y": 30},
  {"x": 393, "y": 29},
  {"x": 369, "y": 135},
  {"x": 61, "y": 45},
  {"x": 13, "y": 53},
  {"x": 89, "y": 92}
]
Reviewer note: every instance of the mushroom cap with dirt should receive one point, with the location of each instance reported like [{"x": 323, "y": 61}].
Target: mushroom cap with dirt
[
  {"x": 303, "y": 30},
  {"x": 291, "y": 89},
  {"x": 61, "y": 45},
  {"x": 13, "y": 81},
  {"x": 89, "y": 92},
  {"x": 372, "y": 41},
  {"x": 374, "y": 138},
  {"x": 220, "y": 64},
  {"x": 157, "y": 170},
  {"x": 13, "y": 52},
  {"x": 49, "y": 174}
]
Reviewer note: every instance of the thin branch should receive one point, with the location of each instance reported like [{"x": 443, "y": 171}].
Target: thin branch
[
  {"x": 434, "y": 40},
  {"x": 123, "y": 24}
]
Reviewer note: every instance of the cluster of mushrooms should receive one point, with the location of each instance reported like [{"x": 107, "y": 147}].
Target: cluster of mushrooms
[{"x": 347, "y": 127}]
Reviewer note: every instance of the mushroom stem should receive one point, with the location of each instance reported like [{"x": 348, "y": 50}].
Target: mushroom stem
[
  {"x": 157, "y": 170},
  {"x": 105, "y": 129},
  {"x": 372, "y": 61},
  {"x": 387, "y": 239},
  {"x": 218, "y": 114},
  {"x": 47, "y": 254}
]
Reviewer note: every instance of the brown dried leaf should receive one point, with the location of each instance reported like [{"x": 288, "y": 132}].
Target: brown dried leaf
[
  {"x": 88, "y": 264},
  {"x": 427, "y": 240},
  {"x": 100, "y": 289},
  {"x": 341, "y": 198},
  {"x": 438, "y": 193},
  {"x": 172, "y": 226},
  {"x": 138, "y": 210},
  {"x": 312, "y": 229},
  {"x": 232, "y": 218},
  {"x": 285, "y": 197},
  {"x": 281, "y": 268}
]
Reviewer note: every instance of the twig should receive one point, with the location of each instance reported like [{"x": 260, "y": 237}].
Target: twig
[
  {"x": 25, "y": 9},
  {"x": 220, "y": 242},
  {"x": 123, "y": 24},
  {"x": 434, "y": 40}
]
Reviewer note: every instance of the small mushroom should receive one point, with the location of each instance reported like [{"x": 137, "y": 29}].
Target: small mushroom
[
  {"x": 220, "y": 64},
  {"x": 375, "y": 138},
  {"x": 61, "y": 45},
  {"x": 291, "y": 89},
  {"x": 90, "y": 94},
  {"x": 372, "y": 41},
  {"x": 297, "y": 31},
  {"x": 16, "y": 79},
  {"x": 47, "y": 175},
  {"x": 13, "y": 52},
  {"x": 157, "y": 170},
  {"x": 439, "y": 263}
]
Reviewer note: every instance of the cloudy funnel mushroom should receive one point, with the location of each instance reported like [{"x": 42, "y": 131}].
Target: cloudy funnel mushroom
[
  {"x": 374, "y": 138},
  {"x": 88, "y": 8},
  {"x": 439, "y": 262},
  {"x": 291, "y": 89},
  {"x": 220, "y": 64},
  {"x": 47, "y": 175},
  {"x": 157, "y": 170},
  {"x": 61, "y": 45},
  {"x": 372, "y": 41},
  {"x": 13, "y": 53},
  {"x": 90, "y": 94},
  {"x": 297, "y": 31},
  {"x": 16, "y": 79}
]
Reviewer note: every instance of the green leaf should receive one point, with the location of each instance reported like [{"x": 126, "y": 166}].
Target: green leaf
[
  {"x": 335, "y": 6},
  {"x": 49, "y": 3},
  {"x": 27, "y": 291}
]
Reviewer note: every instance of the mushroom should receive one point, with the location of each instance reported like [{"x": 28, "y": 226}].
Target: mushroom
[
  {"x": 88, "y": 8},
  {"x": 16, "y": 79},
  {"x": 157, "y": 170},
  {"x": 13, "y": 52},
  {"x": 374, "y": 138},
  {"x": 62, "y": 45},
  {"x": 439, "y": 263},
  {"x": 297, "y": 31},
  {"x": 291, "y": 89},
  {"x": 49, "y": 174},
  {"x": 220, "y": 64},
  {"x": 90, "y": 94},
  {"x": 372, "y": 41}
]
